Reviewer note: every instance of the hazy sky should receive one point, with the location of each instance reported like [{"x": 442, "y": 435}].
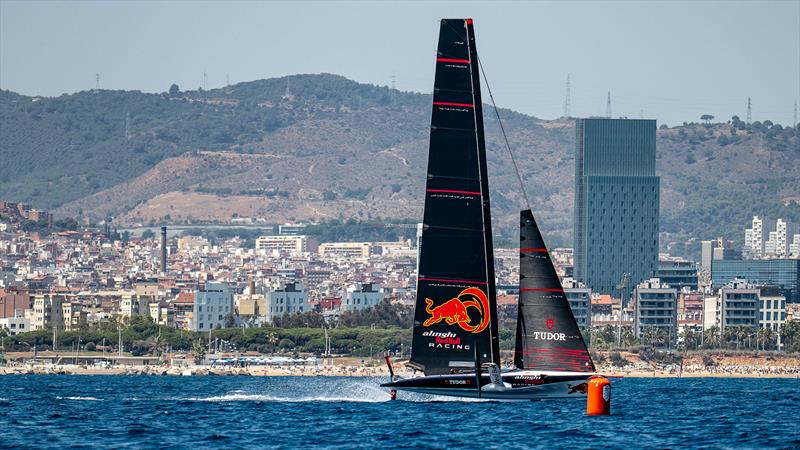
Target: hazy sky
[{"x": 672, "y": 61}]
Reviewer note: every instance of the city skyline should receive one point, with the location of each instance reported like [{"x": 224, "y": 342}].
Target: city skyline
[{"x": 49, "y": 48}]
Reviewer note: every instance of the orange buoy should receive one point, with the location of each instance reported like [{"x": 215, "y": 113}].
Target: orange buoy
[{"x": 598, "y": 398}]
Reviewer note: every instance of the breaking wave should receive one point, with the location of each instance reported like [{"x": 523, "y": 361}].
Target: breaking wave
[{"x": 80, "y": 399}]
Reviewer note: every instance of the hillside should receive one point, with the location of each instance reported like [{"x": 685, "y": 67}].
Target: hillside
[{"x": 316, "y": 147}]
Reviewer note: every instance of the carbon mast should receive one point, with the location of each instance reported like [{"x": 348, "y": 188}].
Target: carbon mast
[{"x": 456, "y": 297}]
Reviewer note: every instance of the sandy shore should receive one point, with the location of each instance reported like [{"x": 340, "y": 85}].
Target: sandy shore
[{"x": 342, "y": 370}]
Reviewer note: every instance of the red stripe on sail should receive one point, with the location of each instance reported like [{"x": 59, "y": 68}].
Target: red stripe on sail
[
  {"x": 452, "y": 60},
  {"x": 451, "y": 281},
  {"x": 541, "y": 290},
  {"x": 463, "y": 105},
  {"x": 452, "y": 191},
  {"x": 533, "y": 250}
]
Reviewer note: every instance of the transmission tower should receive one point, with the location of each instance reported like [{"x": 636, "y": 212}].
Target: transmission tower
[
  {"x": 749, "y": 111},
  {"x": 97, "y": 81},
  {"x": 205, "y": 81},
  {"x": 608, "y": 105},
  {"x": 394, "y": 88},
  {"x": 287, "y": 94},
  {"x": 567, "y": 102}
]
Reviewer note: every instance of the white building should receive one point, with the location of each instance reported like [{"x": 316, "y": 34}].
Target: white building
[
  {"x": 15, "y": 325},
  {"x": 345, "y": 249},
  {"x": 47, "y": 312},
  {"x": 794, "y": 247},
  {"x": 777, "y": 246},
  {"x": 656, "y": 307},
  {"x": 211, "y": 305},
  {"x": 131, "y": 304},
  {"x": 754, "y": 239},
  {"x": 361, "y": 296},
  {"x": 290, "y": 299},
  {"x": 710, "y": 313},
  {"x": 579, "y": 297},
  {"x": 292, "y": 245},
  {"x": 782, "y": 238},
  {"x": 773, "y": 309}
]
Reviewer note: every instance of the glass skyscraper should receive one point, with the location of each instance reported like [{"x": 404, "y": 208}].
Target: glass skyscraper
[{"x": 616, "y": 202}]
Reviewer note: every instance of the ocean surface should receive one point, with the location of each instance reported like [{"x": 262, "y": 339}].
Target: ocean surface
[{"x": 57, "y": 411}]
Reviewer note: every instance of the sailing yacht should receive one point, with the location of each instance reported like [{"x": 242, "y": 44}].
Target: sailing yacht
[{"x": 455, "y": 332}]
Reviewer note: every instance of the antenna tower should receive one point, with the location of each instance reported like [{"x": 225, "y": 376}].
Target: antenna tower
[
  {"x": 97, "y": 81},
  {"x": 749, "y": 111},
  {"x": 794, "y": 123},
  {"x": 394, "y": 88},
  {"x": 567, "y": 103},
  {"x": 608, "y": 105},
  {"x": 205, "y": 81}
]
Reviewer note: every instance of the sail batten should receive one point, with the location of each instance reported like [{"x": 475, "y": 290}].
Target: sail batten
[
  {"x": 456, "y": 300},
  {"x": 548, "y": 337}
]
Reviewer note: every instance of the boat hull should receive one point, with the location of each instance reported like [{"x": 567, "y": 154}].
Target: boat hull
[{"x": 517, "y": 385}]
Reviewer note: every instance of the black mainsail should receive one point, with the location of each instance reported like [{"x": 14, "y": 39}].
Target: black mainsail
[
  {"x": 548, "y": 337},
  {"x": 456, "y": 299}
]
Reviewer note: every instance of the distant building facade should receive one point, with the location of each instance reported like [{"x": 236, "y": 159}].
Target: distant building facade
[
  {"x": 289, "y": 299},
  {"x": 678, "y": 273},
  {"x": 345, "y": 249},
  {"x": 656, "y": 308},
  {"x": 783, "y": 273},
  {"x": 47, "y": 312},
  {"x": 14, "y": 303},
  {"x": 211, "y": 304},
  {"x": 773, "y": 308},
  {"x": 739, "y": 305},
  {"x": 715, "y": 250},
  {"x": 616, "y": 202},
  {"x": 754, "y": 239},
  {"x": 15, "y": 325},
  {"x": 362, "y": 296},
  {"x": 580, "y": 301},
  {"x": 291, "y": 244}
]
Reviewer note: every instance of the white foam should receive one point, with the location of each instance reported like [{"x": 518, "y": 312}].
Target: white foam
[
  {"x": 83, "y": 399},
  {"x": 274, "y": 398}
]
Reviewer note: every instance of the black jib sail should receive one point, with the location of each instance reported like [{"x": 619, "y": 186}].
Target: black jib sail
[
  {"x": 548, "y": 337},
  {"x": 456, "y": 300}
]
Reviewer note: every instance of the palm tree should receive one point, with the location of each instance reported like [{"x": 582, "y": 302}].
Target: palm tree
[
  {"x": 199, "y": 351},
  {"x": 711, "y": 337}
]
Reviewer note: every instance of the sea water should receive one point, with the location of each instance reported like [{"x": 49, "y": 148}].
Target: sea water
[{"x": 60, "y": 411}]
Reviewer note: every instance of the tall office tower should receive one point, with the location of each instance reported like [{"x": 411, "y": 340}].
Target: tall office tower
[{"x": 616, "y": 202}]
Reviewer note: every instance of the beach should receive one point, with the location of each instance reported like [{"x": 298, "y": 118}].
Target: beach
[{"x": 693, "y": 365}]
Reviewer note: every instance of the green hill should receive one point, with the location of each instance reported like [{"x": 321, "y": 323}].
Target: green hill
[{"x": 321, "y": 147}]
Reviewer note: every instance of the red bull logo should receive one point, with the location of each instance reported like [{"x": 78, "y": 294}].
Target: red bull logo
[{"x": 454, "y": 311}]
